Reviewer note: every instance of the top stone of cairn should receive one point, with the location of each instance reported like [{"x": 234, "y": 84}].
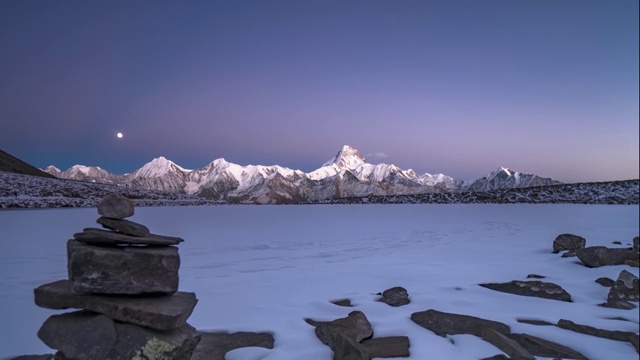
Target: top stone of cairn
[{"x": 115, "y": 206}]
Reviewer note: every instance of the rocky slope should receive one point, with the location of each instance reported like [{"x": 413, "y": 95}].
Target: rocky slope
[
  {"x": 25, "y": 191},
  {"x": 625, "y": 192},
  {"x": 10, "y": 163}
]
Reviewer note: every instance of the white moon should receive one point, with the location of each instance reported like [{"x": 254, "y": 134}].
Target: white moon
[{"x": 119, "y": 135}]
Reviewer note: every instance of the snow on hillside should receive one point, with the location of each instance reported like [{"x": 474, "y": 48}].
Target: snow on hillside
[
  {"x": 25, "y": 191},
  {"x": 346, "y": 174},
  {"x": 613, "y": 192}
]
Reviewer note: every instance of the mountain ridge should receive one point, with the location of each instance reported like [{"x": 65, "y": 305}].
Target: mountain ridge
[
  {"x": 344, "y": 175},
  {"x": 10, "y": 163}
]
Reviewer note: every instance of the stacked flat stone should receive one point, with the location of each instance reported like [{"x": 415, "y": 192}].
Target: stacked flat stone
[{"x": 125, "y": 281}]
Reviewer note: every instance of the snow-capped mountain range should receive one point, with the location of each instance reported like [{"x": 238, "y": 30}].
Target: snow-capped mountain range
[{"x": 346, "y": 175}]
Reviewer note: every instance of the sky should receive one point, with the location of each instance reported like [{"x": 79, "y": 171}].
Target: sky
[{"x": 455, "y": 87}]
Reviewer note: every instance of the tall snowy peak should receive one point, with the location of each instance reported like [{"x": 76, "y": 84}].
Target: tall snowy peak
[
  {"x": 86, "y": 173},
  {"x": 346, "y": 158},
  {"x": 158, "y": 167},
  {"x": 52, "y": 170}
]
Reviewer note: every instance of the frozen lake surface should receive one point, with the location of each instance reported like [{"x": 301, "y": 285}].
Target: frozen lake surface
[{"x": 266, "y": 268}]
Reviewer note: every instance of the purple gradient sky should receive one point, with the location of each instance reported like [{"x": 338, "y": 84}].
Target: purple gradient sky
[{"x": 455, "y": 87}]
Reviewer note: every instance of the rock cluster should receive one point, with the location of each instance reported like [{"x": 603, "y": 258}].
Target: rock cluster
[
  {"x": 351, "y": 338},
  {"x": 624, "y": 290},
  {"x": 125, "y": 282},
  {"x": 516, "y": 346}
]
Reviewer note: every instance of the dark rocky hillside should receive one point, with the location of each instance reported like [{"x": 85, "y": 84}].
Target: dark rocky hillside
[{"x": 12, "y": 164}]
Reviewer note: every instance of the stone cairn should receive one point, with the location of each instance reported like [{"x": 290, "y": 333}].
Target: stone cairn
[{"x": 124, "y": 280}]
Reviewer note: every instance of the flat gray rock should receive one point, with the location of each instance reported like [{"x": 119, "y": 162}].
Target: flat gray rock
[
  {"x": 545, "y": 290},
  {"x": 160, "y": 313},
  {"x": 535, "y": 276},
  {"x": 115, "y": 206},
  {"x": 127, "y": 270},
  {"x": 535, "y": 322},
  {"x": 342, "y": 302},
  {"x": 507, "y": 345},
  {"x": 443, "y": 324},
  {"x": 387, "y": 347},
  {"x": 124, "y": 226},
  {"x": 214, "y": 345},
  {"x": 105, "y": 237},
  {"x": 497, "y": 357},
  {"x": 605, "y": 281},
  {"x": 618, "y": 304},
  {"x": 597, "y": 256},
  {"x": 84, "y": 335},
  {"x": 545, "y": 348},
  {"x": 593, "y": 331}
]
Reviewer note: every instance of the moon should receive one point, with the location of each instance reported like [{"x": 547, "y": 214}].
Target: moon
[{"x": 119, "y": 135}]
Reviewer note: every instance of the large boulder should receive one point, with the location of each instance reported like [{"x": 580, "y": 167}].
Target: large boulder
[
  {"x": 444, "y": 324},
  {"x": 568, "y": 242},
  {"x": 85, "y": 335},
  {"x": 636, "y": 244},
  {"x": 115, "y": 206},
  {"x": 597, "y": 256},
  {"x": 123, "y": 270},
  {"x": 539, "y": 289},
  {"x": 344, "y": 335},
  {"x": 625, "y": 288},
  {"x": 355, "y": 326},
  {"x": 160, "y": 312},
  {"x": 395, "y": 296}
]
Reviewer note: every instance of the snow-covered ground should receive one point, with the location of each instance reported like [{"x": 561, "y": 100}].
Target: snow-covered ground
[{"x": 266, "y": 268}]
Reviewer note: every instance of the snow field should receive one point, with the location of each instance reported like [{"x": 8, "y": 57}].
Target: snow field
[{"x": 266, "y": 268}]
